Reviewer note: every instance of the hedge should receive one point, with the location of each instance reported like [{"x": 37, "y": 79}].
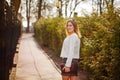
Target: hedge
[{"x": 100, "y": 42}]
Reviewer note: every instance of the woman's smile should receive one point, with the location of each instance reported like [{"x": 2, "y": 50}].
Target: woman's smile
[{"x": 70, "y": 27}]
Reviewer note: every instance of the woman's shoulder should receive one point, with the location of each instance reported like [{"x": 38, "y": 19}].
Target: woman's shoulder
[{"x": 74, "y": 35}]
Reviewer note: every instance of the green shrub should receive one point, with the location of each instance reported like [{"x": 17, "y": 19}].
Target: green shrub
[
  {"x": 100, "y": 44},
  {"x": 50, "y": 33}
]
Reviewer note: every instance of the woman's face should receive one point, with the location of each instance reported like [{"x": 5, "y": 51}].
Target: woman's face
[{"x": 70, "y": 27}]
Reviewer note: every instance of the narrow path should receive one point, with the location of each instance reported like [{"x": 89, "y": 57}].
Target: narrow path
[{"x": 33, "y": 64}]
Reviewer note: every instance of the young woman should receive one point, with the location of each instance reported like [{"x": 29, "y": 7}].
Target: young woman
[{"x": 70, "y": 51}]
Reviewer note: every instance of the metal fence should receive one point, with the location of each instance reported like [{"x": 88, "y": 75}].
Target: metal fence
[{"x": 10, "y": 30}]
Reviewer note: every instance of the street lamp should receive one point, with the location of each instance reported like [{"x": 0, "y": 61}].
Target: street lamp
[{"x": 58, "y": 5}]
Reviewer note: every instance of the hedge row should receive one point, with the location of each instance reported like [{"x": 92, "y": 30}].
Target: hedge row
[
  {"x": 100, "y": 44},
  {"x": 50, "y": 33}
]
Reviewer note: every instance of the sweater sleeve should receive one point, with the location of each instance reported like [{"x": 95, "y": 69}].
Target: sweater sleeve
[{"x": 71, "y": 51}]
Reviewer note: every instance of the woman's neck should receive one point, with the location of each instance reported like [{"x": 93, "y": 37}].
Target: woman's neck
[{"x": 71, "y": 33}]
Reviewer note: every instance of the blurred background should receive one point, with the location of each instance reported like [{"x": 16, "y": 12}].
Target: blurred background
[{"x": 98, "y": 21}]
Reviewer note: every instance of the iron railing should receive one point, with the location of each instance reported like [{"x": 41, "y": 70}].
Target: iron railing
[{"x": 10, "y": 30}]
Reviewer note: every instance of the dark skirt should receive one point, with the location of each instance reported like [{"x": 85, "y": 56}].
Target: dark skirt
[{"x": 73, "y": 70}]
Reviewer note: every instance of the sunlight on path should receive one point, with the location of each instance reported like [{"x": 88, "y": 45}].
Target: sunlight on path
[{"x": 32, "y": 62}]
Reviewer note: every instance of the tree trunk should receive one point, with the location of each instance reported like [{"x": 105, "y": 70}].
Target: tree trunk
[
  {"x": 66, "y": 7},
  {"x": 100, "y": 5},
  {"x": 28, "y": 14},
  {"x": 39, "y": 8},
  {"x": 76, "y": 3},
  {"x": 16, "y": 4},
  {"x": 66, "y": 10},
  {"x": 60, "y": 10},
  {"x": 112, "y": 2}
]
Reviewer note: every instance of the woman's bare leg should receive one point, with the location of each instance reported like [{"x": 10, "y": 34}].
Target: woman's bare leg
[
  {"x": 65, "y": 77},
  {"x": 73, "y": 77}
]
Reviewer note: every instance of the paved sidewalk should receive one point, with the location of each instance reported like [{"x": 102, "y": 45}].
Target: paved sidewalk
[{"x": 33, "y": 64}]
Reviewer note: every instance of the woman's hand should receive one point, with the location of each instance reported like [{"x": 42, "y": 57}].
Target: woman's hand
[{"x": 67, "y": 69}]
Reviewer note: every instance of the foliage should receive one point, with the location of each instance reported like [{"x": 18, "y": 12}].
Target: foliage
[
  {"x": 50, "y": 33},
  {"x": 100, "y": 44}
]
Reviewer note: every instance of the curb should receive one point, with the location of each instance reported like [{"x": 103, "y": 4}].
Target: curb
[{"x": 53, "y": 63}]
